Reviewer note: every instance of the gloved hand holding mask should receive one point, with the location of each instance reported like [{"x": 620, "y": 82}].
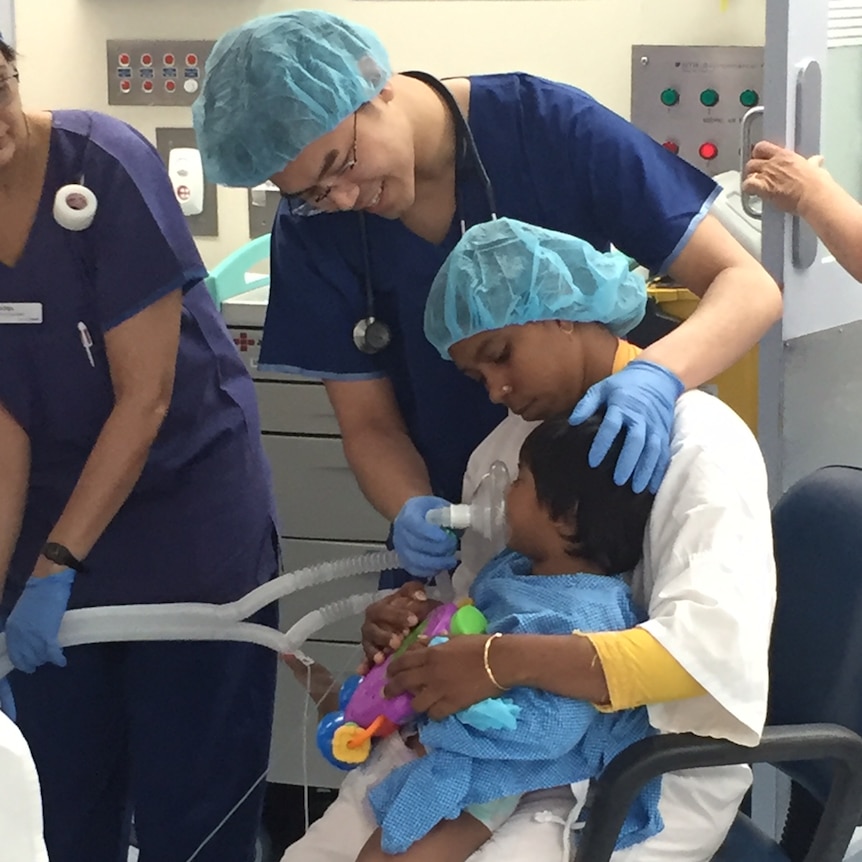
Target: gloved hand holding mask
[
  {"x": 639, "y": 398},
  {"x": 31, "y": 631},
  {"x": 424, "y": 549}
]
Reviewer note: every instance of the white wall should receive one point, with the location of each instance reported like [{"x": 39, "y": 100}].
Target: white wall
[{"x": 584, "y": 42}]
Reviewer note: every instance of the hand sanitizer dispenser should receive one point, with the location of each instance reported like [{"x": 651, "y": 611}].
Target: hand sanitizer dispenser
[{"x": 187, "y": 178}]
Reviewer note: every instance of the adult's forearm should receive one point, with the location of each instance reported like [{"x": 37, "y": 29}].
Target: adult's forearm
[
  {"x": 108, "y": 478},
  {"x": 737, "y": 309},
  {"x": 836, "y": 217},
  {"x": 14, "y": 478},
  {"x": 388, "y": 469},
  {"x": 566, "y": 665}
]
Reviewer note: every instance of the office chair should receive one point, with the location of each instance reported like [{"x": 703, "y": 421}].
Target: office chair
[{"x": 815, "y": 705}]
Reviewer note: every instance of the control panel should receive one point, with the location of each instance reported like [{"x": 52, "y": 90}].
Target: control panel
[
  {"x": 155, "y": 71},
  {"x": 691, "y": 99}
]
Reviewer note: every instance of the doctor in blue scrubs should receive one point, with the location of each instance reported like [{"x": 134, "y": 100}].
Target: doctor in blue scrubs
[
  {"x": 381, "y": 178},
  {"x": 131, "y": 471}
]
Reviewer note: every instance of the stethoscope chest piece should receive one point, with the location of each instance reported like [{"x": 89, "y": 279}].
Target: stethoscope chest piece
[{"x": 371, "y": 335}]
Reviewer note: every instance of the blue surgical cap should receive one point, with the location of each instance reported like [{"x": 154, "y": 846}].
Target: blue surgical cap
[
  {"x": 506, "y": 272},
  {"x": 277, "y": 83}
]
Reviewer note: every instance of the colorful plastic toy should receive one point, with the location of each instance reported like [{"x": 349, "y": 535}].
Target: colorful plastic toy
[{"x": 344, "y": 737}]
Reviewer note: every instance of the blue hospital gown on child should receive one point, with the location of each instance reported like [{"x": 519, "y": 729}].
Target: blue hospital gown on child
[{"x": 557, "y": 740}]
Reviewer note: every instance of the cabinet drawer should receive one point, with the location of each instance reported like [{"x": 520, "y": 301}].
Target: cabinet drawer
[
  {"x": 295, "y": 408},
  {"x": 291, "y": 701},
  {"x": 298, "y": 554},
  {"x": 316, "y": 494}
]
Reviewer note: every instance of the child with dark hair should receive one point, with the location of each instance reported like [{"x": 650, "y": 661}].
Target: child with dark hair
[
  {"x": 601, "y": 524},
  {"x": 573, "y": 536}
]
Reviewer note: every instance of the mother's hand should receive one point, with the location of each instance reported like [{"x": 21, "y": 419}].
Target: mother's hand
[{"x": 444, "y": 678}]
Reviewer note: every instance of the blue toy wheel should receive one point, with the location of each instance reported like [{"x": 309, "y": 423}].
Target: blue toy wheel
[
  {"x": 327, "y": 729},
  {"x": 347, "y": 688},
  {"x": 325, "y": 733}
]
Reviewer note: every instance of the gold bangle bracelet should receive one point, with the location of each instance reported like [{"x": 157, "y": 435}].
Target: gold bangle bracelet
[{"x": 488, "y": 670}]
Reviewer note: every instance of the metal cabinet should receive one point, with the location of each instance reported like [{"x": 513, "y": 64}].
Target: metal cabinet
[
  {"x": 323, "y": 516},
  {"x": 316, "y": 494}
]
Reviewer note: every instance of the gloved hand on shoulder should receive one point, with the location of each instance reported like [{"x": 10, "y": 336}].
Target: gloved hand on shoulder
[
  {"x": 424, "y": 549},
  {"x": 639, "y": 398},
  {"x": 33, "y": 624}
]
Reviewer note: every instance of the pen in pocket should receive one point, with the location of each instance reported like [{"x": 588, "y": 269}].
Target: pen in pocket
[{"x": 86, "y": 341}]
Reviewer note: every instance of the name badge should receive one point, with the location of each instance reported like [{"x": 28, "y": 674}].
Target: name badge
[{"x": 20, "y": 312}]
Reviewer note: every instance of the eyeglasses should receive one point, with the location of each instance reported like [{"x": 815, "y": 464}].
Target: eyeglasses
[
  {"x": 6, "y": 91},
  {"x": 307, "y": 202}
]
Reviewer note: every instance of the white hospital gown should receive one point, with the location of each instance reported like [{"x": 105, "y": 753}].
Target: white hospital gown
[
  {"x": 20, "y": 799},
  {"x": 708, "y": 582}
]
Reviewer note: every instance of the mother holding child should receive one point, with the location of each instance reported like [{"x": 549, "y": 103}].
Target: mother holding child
[{"x": 612, "y": 615}]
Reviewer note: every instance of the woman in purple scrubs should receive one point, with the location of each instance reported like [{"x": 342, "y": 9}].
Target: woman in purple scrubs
[{"x": 131, "y": 471}]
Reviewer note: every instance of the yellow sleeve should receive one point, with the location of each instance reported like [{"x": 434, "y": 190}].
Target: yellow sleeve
[{"x": 639, "y": 670}]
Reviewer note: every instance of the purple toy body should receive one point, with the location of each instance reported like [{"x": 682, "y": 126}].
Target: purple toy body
[{"x": 368, "y": 702}]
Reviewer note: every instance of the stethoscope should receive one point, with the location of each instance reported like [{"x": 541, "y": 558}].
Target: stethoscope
[{"x": 371, "y": 334}]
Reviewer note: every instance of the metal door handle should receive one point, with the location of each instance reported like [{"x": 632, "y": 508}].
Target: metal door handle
[
  {"x": 746, "y": 145},
  {"x": 809, "y": 94}
]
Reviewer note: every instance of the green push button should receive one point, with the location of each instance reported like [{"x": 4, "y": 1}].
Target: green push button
[
  {"x": 709, "y": 98},
  {"x": 749, "y": 98},
  {"x": 669, "y": 97}
]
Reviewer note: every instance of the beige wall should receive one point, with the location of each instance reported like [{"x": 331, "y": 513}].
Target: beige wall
[{"x": 584, "y": 42}]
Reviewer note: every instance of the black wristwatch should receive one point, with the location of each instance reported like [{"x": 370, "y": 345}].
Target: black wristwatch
[{"x": 62, "y": 556}]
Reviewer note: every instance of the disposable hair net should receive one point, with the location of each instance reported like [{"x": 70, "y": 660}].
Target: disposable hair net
[
  {"x": 508, "y": 272},
  {"x": 277, "y": 83}
]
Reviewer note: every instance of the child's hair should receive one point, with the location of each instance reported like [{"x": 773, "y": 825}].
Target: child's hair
[
  {"x": 7, "y": 52},
  {"x": 607, "y": 520}
]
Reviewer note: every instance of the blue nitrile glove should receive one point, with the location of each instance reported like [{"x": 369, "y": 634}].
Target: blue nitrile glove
[
  {"x": 424, "y": 549},
  {"x": 7, "y": 702},
  {"x": 640, "y": 398},
  {"x": 31, "y": 630}
]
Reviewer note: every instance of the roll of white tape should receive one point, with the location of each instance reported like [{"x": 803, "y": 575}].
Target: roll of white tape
[{"x": 75, "y": 207}]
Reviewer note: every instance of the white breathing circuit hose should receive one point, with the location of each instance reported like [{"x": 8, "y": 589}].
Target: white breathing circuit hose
[{"x": 196, "y": 621}]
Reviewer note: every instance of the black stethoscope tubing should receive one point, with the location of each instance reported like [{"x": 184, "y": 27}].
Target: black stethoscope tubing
[{"x": 371, "y": 335}]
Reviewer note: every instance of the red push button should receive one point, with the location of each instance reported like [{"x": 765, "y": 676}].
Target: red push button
[
  {"x": 125, "y": 86},
  {"x": 708, "y": 151},
  {"x": 146, "y": 59},
  {"x": 671, "y": 146},
  {"x": 191, "y": 59},
  {"x": 170, "y": 86},
  {"x": 124, "y": 59},
  {"x": 148, "y": 86},
  {"x": 169, "y": 59}
]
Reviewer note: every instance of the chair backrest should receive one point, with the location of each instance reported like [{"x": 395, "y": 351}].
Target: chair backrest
[{"x": 816, "y": 653}]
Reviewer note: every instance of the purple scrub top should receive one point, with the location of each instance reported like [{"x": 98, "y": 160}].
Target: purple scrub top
[{"x": 199, "y": 524}]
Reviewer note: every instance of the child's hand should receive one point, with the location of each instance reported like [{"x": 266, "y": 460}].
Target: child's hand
[
  {"x": 388, "y": 621},
  {"x": 320, "y": 683}
]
